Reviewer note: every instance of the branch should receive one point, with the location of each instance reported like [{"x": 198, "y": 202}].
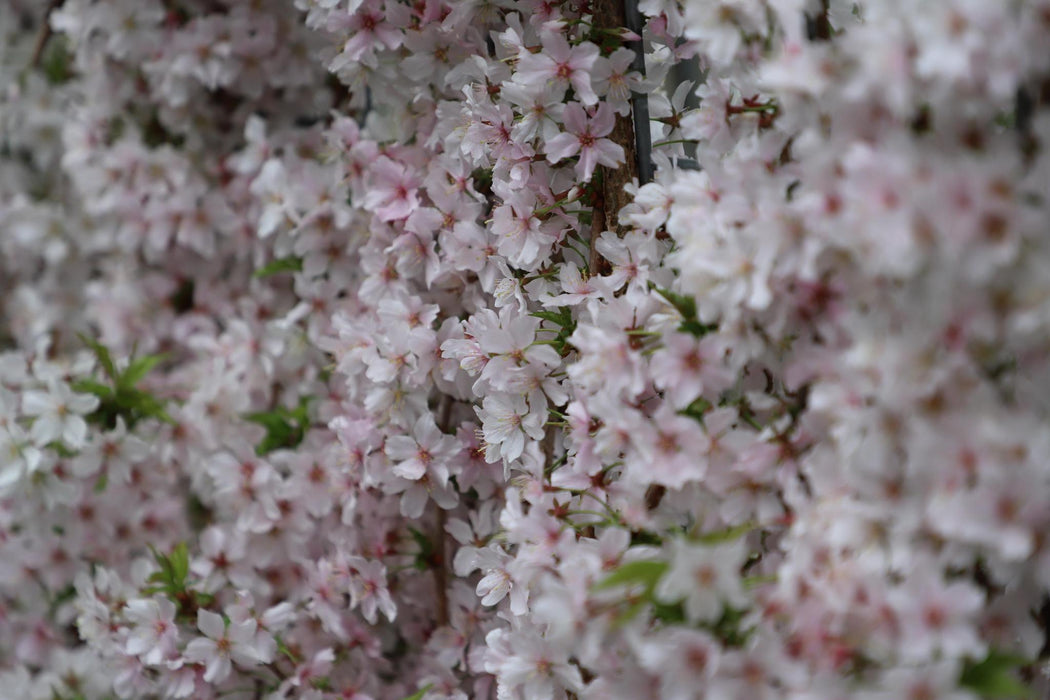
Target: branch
[
  {"x": 440, "y": 559},
  {"x": 631, "y": 134},
  {"x": 45, "y": 34}
]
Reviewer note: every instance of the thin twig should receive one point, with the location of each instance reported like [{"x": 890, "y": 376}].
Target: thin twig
[
  {"x": 440, "y": 559},
  {"x": 45, "y": 34},
  {"x": 612, "y": 15}
]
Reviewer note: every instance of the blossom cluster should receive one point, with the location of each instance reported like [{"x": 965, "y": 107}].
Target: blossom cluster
[{"x": 348, "y": 350}]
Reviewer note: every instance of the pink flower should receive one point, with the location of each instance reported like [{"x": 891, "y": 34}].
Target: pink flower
[
  {"x": 222, "y": 645},
  {"x": 584, "y": 136},
  {"x": 561, "y": 64},
  {"x": 687, "y": 367},
  {"x": 393, "y": 192},
  {"x": 425, "y": 450},
  {"x": 368, "y": 589},
  {"x": 59, "y": 414},
  {"x": 154, "y": 632},
  {"x": 706, "y": 577}
]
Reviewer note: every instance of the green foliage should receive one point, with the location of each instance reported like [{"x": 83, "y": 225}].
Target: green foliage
[
  {"x": 686, "y": 306},
  {"x": 56, "y": 61},
  {"x": 283, "y": 648},
  {"x": 426, "y": 550},
  {"x": 566, "y": 324},
  {"x": 727, "y": 535},
  {"x": 418, "y": 695},
  {"x": 645, "y": 573},
  {"x": 696, "y": 409},
  {"x": 172, "y": 580},
  {"x": 119, "y": 397},
  {"x": 285, "y": 427},
  {"x": 174, "y": 570},
  {"x": 292, "y": 264},
  {"x": 994, "y": 676}
]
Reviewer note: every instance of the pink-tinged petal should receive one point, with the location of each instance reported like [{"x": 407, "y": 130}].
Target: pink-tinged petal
[
  {"x": 390, "y": 36},
  {"x": 575, "y": 118},
  {"x": 588, "y": 162},
  {"x": 82, "y": 403},
  {"x": 218, "y": 669},
  {"x": 413, "y": 501},
  {"x": 387, "y": 605},
  {"x": 36, "y": 402},
  {"x": 138, "y": 643},
  {"x": 581, "y": 83},
  {"x": 201, "y": 650},
  {"x": 45, "y": 430},
  {"x": 211, "y": 624},
  {"x": 584, "y": 57},
  {"x": 166, "y": 608},
  {"x": 400, "y": 447},
  {"x": 513, "y": 446},
  {"x": 412, "y": 469},
  {"x": 535, "y": 69},
  {"x": 519, "y": 600},
  {"x": 399, "y": 208},
  {"x": 74, "y": 432},
  {"x": 242, "y": 633},
  {"x": 609, "y": 153},
  {"x": 603, "y": 121},
  {"x": 557, "y": 47},
  {"x": 561, "y": 147}
]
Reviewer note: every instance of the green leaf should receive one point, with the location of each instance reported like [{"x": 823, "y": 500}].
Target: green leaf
[
  {"x": 102, "y": 354},
  {"x": 90, "y": 386},
  {"x": 61, "y": 450},
  {"x": 694, "y": 327},
  {"x": 174, "y": 569},
  {"x": 993, "y": 677},
  {"x": 418, "y": 695},
  {"x": 57, "y": 62},
  {"x": 646, "y": 573},
  {"x": 138, "y": 368},
  {"x": 275, "y": 267},
  {"x": 562, "y": 317},
  {"x": 673, "y": 613},
  {"x": 727, "y": 535},
  {"x": 285, "y": 427},
  {"x": 180, "y": 562},
  {"x": 696, "y": 409},
  {"x": 685, "y": 305},
  {"x": 728, "y": 627},
  {"x": 286, "y": 650},
  {"x": 425, "y": 548},
  {"x": 630, "y": 612},
  {"x": 122, "y": 399}
]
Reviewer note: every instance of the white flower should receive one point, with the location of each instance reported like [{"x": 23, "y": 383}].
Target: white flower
[
  {"x": 506, "y": 422},
  {"x": 59, "y": 414},
  {"x": 222, "y": 646},
  {"x": 153, "y": 636},
  {"x": 706, "y": 577}
]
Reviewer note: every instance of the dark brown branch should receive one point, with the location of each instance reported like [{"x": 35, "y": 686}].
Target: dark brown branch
[
  {"x": 441, "y": 570},
  {"x": 45, "y": 34},
  {"x": 439, "y": 562},
  {"x": 610, "y": 15}
]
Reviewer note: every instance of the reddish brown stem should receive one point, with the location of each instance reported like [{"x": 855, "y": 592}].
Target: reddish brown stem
[{"x": 45, "y": 34}]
